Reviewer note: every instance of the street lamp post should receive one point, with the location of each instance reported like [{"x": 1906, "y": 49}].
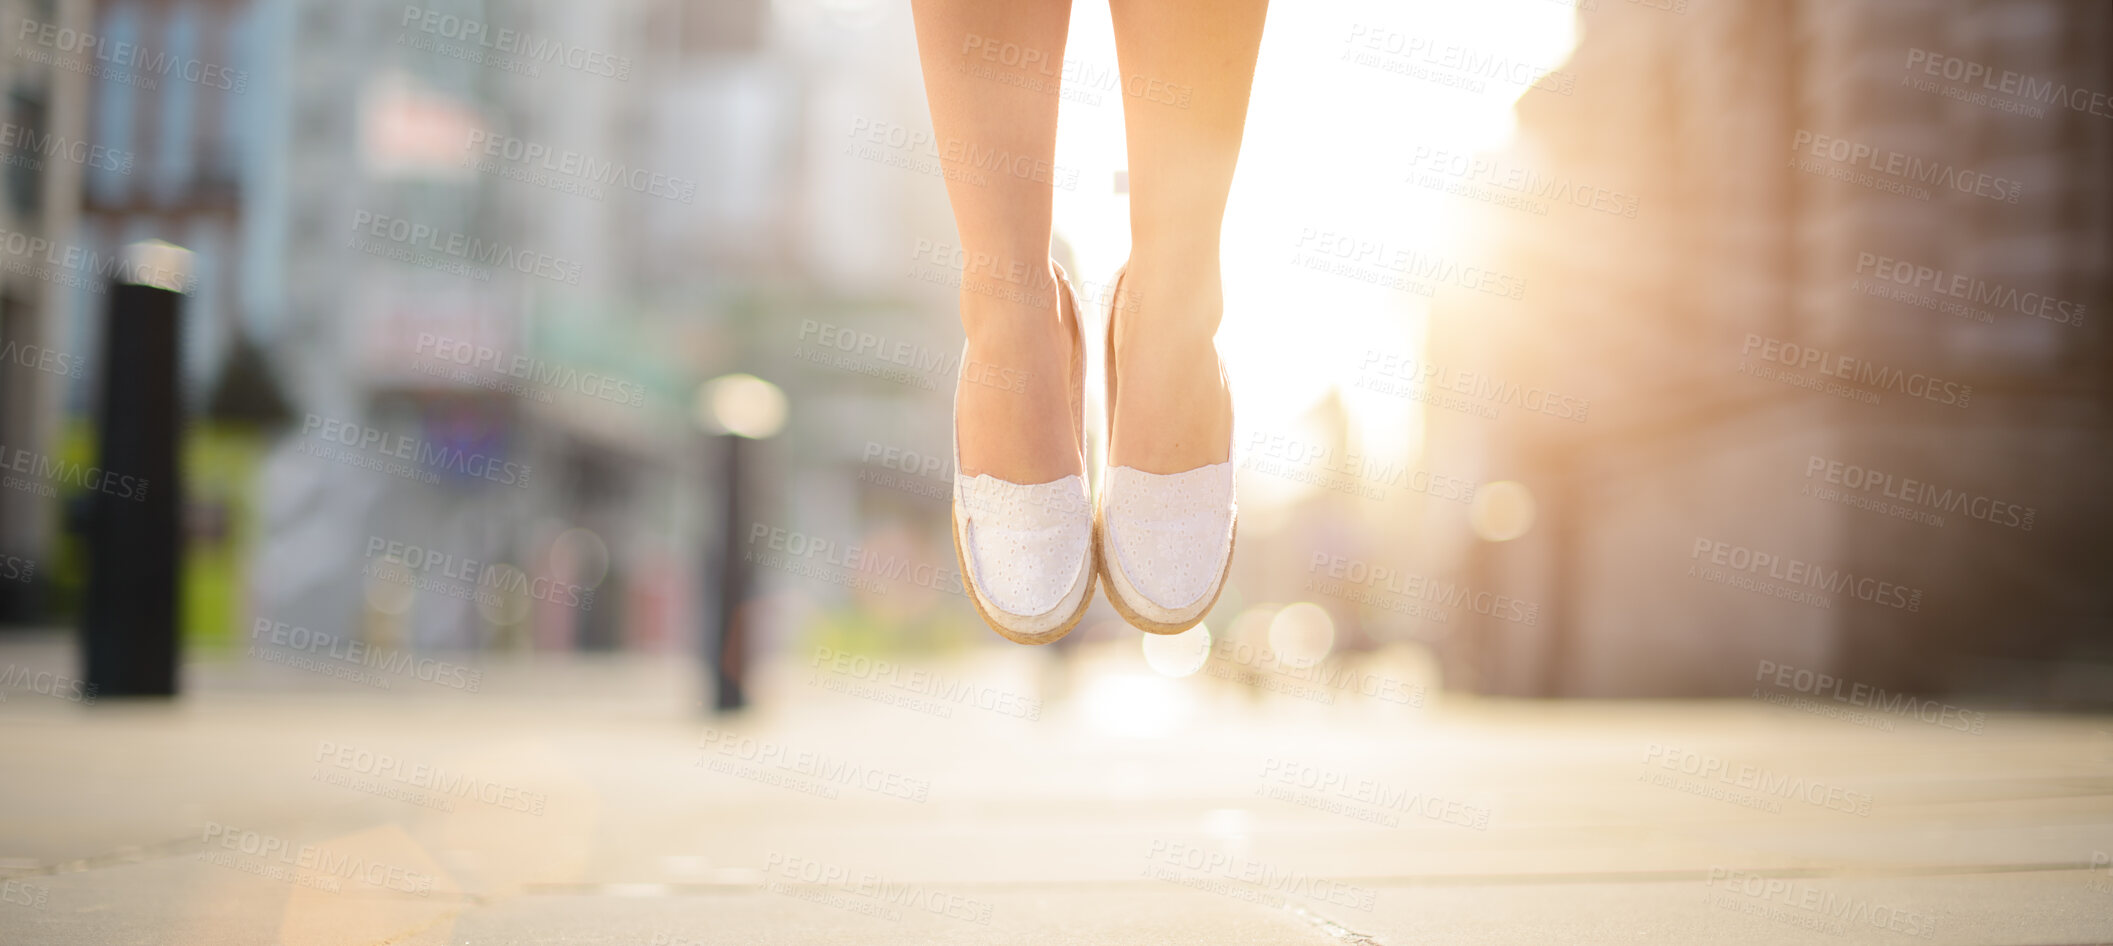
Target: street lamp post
[{"x": 737, "y": 408}]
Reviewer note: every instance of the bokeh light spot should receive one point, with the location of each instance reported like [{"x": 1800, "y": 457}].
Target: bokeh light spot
[
  {"x": 1178, "y": 655},
  {"x": 1302, "y": 634},
  {"x": 743, "y": 405},
  {"x": 582, "y": 556},
  {"x": 1502, "y": 511}
]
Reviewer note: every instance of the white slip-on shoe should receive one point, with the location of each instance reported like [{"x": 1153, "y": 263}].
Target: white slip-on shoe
[
  {"x": 1027, "y": 550},
  {"x": 1166, "y": 539}
]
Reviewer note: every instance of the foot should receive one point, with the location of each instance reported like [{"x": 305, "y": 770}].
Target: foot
[
  {"x": 1172, "y": 412},
  {"x": 1013, "y": 402}
]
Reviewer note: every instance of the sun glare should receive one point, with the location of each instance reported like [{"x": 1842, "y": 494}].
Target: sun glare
[{"x": 1344, "y": 93}]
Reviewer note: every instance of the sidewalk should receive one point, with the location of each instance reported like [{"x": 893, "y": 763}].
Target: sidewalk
[{"x": 1005, "y": 798}]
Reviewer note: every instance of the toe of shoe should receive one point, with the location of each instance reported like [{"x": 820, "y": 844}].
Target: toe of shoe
[
  {"x": 1169, "y": 535},
  {"x": 1025, "y": 572},
  {"x": 1026, "y": 547}
]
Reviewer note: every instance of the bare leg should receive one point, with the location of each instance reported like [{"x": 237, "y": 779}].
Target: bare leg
[
  {"x": 991, "y": 69},
  {"x": 1188, "y": 66}
]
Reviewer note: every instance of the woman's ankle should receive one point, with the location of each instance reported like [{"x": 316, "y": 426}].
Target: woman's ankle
[
  {"x": 1171, "y": 302},
  {"x": 1010, "y": 301}
]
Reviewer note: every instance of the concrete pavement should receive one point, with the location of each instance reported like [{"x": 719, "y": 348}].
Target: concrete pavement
[{"x": 1004, "y": 797}]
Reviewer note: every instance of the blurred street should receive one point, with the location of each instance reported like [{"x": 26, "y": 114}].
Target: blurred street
[
  {"x": 481, "y": 472},
  {"x": 1020, "y": 796}
]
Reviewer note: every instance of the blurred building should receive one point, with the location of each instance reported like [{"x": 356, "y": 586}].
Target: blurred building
[
  {"x": 850, "y": 238},
  {"x": 292, "y": 144},
  {"x": 464, "y": 195},
  {"x": 39, "y": 358},
  {"x": 1975, "y": 516},
  {"x": 169, "y": 96},
  {"x": 595, "y": 206}
]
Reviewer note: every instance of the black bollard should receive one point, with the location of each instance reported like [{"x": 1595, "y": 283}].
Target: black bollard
[
  {"x": 727, "y": 646},
  {"x": 135, "y": 551}
]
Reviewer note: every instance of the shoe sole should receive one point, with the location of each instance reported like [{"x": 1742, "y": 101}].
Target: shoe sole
[
  {"x": 1139, "y": 621},
  {"x": 1093, "y": 569}
]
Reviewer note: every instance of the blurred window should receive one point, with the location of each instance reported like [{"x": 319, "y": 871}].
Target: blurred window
[
  {"x": 25, "y": 168},
  {"x": 117, "y": 108}
]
